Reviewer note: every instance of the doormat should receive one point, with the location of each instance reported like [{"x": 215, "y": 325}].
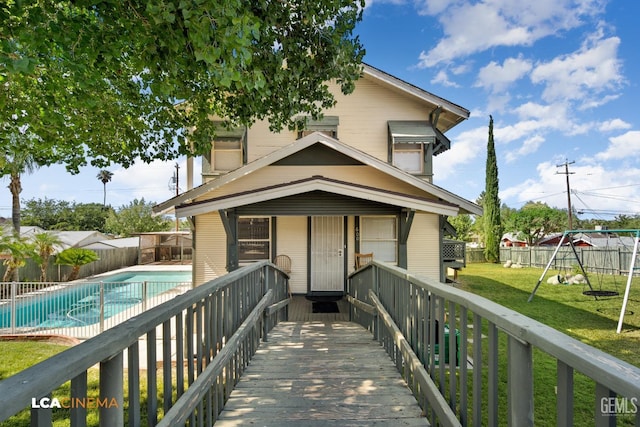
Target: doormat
[{"x": 325, "y": 307}]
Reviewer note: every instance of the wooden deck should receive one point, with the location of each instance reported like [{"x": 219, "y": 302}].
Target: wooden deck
[
  {"x": 300, "y": 310},
  {"x": 317, "y": 374}
]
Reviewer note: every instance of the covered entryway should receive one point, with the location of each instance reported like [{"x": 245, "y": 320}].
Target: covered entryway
[{"x": 327, "y": 255}]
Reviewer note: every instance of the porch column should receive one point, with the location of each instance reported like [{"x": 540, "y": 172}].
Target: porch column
[
  {"x": 230, "y": 223},
  {"x": 404, "y": 227}
]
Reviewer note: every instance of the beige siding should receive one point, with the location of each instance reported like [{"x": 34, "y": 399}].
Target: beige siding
[
  {"x": 292, "y": 241},
  {"x": 211, "y": 248},
  {"x": 363, "y": 119},
  {"x": 272, "y": 175},
  {"x": 423, "y": 246}
]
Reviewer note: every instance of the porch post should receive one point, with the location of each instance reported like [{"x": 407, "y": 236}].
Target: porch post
[
  {"x": 406, "y": 219},
  {"x": 230, "y": 223}
]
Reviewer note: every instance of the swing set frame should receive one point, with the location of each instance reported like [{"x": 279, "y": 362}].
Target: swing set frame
[{"x": 567, "y": 236}]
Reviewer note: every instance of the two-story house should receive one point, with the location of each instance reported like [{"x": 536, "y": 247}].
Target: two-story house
[{"x": 357, "y": 181}]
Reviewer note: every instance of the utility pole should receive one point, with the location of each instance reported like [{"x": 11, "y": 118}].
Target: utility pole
[
  {"x": 567, "y": 173},
  {"x": 177, "y": 194}
]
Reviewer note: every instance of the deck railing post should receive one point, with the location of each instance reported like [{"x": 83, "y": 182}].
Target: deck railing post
[
  {"x": 375, "y": 285},
  {"x": 111, "y": 391},
  {"x": 265, "y": 288},
  {"x": 520, "y": 379}
]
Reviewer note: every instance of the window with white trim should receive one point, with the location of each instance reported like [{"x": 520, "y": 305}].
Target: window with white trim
[
  {"x": 254, "y": 239},
  {"x": 409, "y": 157},
  {"x": 379, "y": 234}
]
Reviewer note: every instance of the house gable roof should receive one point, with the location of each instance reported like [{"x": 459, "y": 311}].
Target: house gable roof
[{"x": 304, "y": 143}]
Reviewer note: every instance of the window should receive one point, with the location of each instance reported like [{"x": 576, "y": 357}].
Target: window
[
  {"x": 226, "y": 154},
  {"x": 409, "y": 157},
  {"x": 228, "y": 150},
  {"x": 412, "y": 145},
  {"x": 254, "y": 239},
  {"x": 327, "y": 125},
  {"x": 378, "y": 234}
]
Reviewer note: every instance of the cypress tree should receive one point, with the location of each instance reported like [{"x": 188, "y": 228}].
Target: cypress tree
[{"x": 491, "y": 205}]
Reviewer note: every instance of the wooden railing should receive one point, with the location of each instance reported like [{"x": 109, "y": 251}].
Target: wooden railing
[
  {"x": 190, "y": 351},
  {"x": 482, "y": 341}
]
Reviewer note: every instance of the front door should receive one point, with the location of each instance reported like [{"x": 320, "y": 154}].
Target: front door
[{"x": 327, "y": 254}]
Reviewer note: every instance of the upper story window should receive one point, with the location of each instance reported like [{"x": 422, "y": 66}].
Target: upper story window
[
  {"x": 409, "y": 157},
  {"x": 412, "y": 145},
  {"x": 228, "y": 150},
  {"x": 327, "y": 125}
]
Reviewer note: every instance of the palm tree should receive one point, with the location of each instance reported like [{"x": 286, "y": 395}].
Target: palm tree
[
  {"x": 46, "y": 244},
  {"x": 104, "y": 176},
  {"x": 15, "y": 251},
  {"x": 16, "y": 162},
  {"x": 76, "y": 258}
]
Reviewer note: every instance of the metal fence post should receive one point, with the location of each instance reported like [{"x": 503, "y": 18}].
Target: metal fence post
[
  {"x": 101, "y": 307},
  {"x": 14, "y": 294},
  {"x": 144, "y": 296}
]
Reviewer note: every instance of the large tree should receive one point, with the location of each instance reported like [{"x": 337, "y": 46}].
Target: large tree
[
  {"x": 536, "y": 219},
  {"x": 51, "y": 214},
  {"x": 134, "y": 218},
  {"x": 491, "y": 203},
  {"x": 99, "y": 81}
]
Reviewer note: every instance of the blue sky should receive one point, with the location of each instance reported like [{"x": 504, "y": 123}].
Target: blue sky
[{"x": 560, "y": 78}]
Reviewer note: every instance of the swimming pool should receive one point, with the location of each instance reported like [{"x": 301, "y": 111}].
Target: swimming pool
[{"x": 71, "y": 305}]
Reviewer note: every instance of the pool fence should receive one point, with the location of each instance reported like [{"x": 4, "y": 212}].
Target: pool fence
[{"x": 78, "y": 309}]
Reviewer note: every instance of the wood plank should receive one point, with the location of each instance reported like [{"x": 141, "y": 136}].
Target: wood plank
[{"x": 319, "y": 373}]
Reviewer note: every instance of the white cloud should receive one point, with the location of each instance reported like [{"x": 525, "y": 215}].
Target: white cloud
[
  {"x": 471, "y": 27},
  {"x": 624, "y": 146},
  {"x": 589, "y": 71},
  {"x": 497, "y": 78},
  {"x": 443, "y": 78},
  {"x": 614, "y": 124},
  {"x": 465, "y": 149},
  {"x": 594, "y": 188},
  {"x": 529, "y": 146}
]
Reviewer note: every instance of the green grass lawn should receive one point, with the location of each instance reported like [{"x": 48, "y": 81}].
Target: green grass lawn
[
  {"x": 567, "y": 309},
  {"x": 564, "y": 307}
]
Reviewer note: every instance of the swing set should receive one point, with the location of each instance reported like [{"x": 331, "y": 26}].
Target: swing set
[{"x": 567, "y": 239}]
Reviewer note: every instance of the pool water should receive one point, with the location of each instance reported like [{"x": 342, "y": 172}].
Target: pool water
[{"x": 79, "y": 305}]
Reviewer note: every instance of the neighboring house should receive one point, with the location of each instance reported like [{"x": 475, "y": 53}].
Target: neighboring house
[
  {"x": 125, "y": 242},
  {"x": 357, "y": 181},
  {"x": 158, "y": 246},
  {"x": 603, "y": 240},
  {"x": 68, "y": 239},
  {"x": 512, "y": 240},
  {"x": 78, "y": 239}
]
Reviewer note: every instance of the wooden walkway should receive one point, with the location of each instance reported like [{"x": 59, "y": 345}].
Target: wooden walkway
[{"x": 317, "y": 374}]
